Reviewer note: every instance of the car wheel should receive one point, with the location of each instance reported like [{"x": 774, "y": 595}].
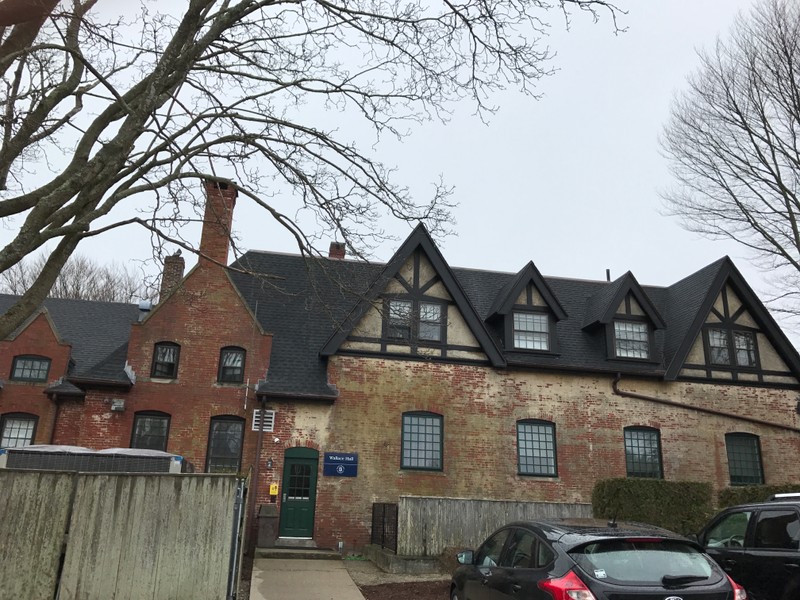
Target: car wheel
[{"x": 454, "y": 593}]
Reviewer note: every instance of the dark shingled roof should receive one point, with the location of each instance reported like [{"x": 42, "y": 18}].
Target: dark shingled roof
[
  {"x": 305, "y": 298},
  {"x": 97, "y": 332}
]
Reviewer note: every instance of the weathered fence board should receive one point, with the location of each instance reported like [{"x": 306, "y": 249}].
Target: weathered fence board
[
  {"x": 426, "y": 526},
  {"x": 33, "y": 518},
  {"x": 154, "y": 536}
]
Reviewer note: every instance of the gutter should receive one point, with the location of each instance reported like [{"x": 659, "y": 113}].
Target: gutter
[{"x": 708, "y": 411}]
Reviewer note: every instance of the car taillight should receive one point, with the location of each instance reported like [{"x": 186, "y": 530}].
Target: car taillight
[
  {"x": 568, "y": 587},
  {"x": 738, "y": 591}
]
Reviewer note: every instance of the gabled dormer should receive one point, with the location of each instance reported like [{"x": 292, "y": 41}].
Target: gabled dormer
[
  {"x": 416, "y": 308},
  {"x": 526, "y": 312},
  {"x": 628, "y": 318},
  {"x": 729, "y": 335}
]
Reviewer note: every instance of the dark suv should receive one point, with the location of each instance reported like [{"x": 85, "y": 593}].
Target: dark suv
[{"x": 758, "y": 545}]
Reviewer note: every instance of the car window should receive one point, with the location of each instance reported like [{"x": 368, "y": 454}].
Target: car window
[
  {"x": 544, "y": 555},
  {"x": 489, "y": 553},
  {"x": 729, "y": 531},
  {"x": 646, "y": 562},
  {"x": 777, "y": 529},
  {"x": 520, "y": 553}
]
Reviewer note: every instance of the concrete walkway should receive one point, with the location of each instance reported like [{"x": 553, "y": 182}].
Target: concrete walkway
[{"x": 288, "y": 579}]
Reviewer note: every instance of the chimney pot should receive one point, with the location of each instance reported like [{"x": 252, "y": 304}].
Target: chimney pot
[{"x": 337, "y": 250}]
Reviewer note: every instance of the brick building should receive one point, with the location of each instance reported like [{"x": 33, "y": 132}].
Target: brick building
[{"x": 357, "y": 383}]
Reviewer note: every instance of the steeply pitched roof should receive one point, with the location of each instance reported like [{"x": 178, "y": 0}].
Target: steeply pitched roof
[
  {"x": 601, "y": 308},
  {"x": 95, "y": 330},
  {"x": 511, "y": 291}
]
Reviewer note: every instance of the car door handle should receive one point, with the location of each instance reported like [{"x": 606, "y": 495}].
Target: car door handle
[
  {"x": 792, "y": 566},
  {"x": 485, "y": 581},
  {"x": 516, "y": 587}
]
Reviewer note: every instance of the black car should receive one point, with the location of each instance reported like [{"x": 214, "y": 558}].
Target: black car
[
  {"x": 758, "y": 545},
  {"x": 586, "y": 559}
]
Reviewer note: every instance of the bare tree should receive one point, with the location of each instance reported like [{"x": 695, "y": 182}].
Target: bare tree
[
  {"x": 80, "y": 279},
  {"x": 103, "y": 110},
  {"x": 732, "y": 141}
]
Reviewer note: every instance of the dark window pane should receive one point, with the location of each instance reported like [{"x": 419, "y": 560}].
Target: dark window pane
[
  {"x": 642, "y": 453},
  {"x": 299, "y": 482},
  {"x": 225, "y": 445},
  {"x": 422, "y": 441},
  {"x": 536, "y": 444},
  {"x": 777, "y": 529},
  {"x": 745, "y": 345},
  {"x": 430, "y": 321},
  {"x": 631, "y": 339},
  {"x": 30, "y": 368},
  {"x": 165, "y": 361},
  {"x": 744, "y": 459},
  {"x": 718, "y": 346},
  {"x": 231, "y": 365},
  {"x": 400, "y": 319},
  {"x": 150, "y": 432}
]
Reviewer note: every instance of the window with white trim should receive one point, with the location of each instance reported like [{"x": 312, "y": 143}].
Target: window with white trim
[{"x": 531, "y": 331}]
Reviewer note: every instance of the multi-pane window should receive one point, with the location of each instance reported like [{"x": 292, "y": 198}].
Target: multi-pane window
[
  {"x": 225, "y": 445},
  {"x": 430, "y": 321},
  {"x": 735, "y": 347},
  {"x": 412, "y": 320},
  {"x": 231, "y": 365},
  {"x": 536, "y": 448},
  {"x": 422, "y": 441},
  {"x": 165, "y": 360},
  {"x": 531, "y": 331},
  {"x": 17, "y": 429},
  {"x": 400, "y": 319},
  {"x": 631, "y": 339},
  {"x": 744, "y": 459},
  {"x": 30, "y": 368},
  {"x": 150, "y": 431},
  {"x": 643, "y": 452}
]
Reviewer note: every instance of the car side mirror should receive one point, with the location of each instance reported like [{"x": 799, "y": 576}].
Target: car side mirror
[{"x": 465, "y": 557}]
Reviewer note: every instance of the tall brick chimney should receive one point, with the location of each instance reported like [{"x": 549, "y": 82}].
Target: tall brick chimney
[
  {"x": 173, "y": 273},
  {"x": 337, "y": 250},
  {"x": 217, "y": 220}
]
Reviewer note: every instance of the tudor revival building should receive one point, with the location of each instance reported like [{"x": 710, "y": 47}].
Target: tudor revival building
[{"x": 420, "y": 378}]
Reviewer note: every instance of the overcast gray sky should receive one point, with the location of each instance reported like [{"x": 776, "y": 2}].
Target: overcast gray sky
[{"x": 570, "y": 181}]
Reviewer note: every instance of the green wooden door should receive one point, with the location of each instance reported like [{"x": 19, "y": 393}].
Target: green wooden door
[{"x": 299, "y": 492}]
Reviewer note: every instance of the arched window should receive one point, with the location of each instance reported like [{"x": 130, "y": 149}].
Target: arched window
[
  {"x": 17, "y": 429},
  {"x": 225, "y": 437},
  {"x": 150, "y": 430},
  {"x": 643, "y": 452},
  {"x": 165, "y": 360},
  {"x": 744, "y": 459},
  {"x": 536, "y": 448}
]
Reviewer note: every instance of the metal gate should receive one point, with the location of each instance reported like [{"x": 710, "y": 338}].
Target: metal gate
[{"x": 384, "y": 525}]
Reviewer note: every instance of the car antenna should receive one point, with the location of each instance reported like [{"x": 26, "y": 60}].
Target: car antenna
[{"x": 612, "y": 522}]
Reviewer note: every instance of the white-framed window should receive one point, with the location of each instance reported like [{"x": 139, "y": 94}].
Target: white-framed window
[
  {"x": 531, "y": 331},
  {"x": 631, "y": 339},
  {"x": 265, "y": 417}
]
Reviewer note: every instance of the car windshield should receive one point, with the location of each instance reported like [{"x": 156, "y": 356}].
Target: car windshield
[{"x": 668, "y": 563}]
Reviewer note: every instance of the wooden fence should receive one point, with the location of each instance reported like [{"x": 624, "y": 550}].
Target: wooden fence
[
  {"x": 120, "y": 536},
  {"x": 427, "y": 526}
]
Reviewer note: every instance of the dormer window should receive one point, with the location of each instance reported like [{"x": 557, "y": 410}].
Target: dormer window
[
  {"x": 531, "y": 331},
  {"x": 631, "y": 339},
  {"x": 414, "y": 320}
]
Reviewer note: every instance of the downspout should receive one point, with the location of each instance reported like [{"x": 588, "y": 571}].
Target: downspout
[
  {"x": 708, "y": 411},
  {"x": 55, "y": 418},
  {"x": 257, "y": 473}
]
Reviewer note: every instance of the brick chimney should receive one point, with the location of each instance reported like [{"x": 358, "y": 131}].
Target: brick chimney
[
  {"x": 173, "y": 273},
  {"x": 337, "y": 250},
  {"x": 217, "y": 220}
]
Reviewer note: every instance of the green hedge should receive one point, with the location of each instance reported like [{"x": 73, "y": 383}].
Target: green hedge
[
  {"x": 681, "y": 506},
  {"x": 752, "y": 493}
]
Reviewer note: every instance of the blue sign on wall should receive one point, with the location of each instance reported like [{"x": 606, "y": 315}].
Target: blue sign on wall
[{"x": 340, "y": 464}]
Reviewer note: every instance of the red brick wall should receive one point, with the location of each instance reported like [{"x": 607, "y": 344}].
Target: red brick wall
[{"x": 39, "y": 339}]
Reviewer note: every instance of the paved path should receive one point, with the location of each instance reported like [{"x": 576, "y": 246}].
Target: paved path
[{"x": 287, "y": 579}]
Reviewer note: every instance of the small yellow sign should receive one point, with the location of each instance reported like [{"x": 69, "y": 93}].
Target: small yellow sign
[{"x": 273, "y": 489}]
